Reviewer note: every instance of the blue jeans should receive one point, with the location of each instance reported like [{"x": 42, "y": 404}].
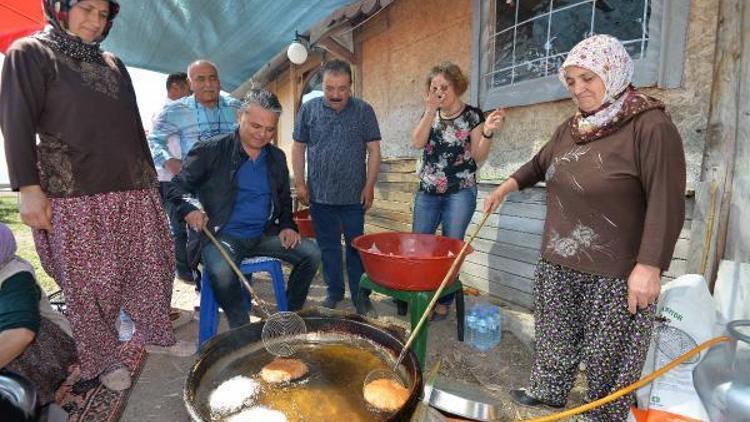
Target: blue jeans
[
  {"x": 451, "y": 211},
  {"x": 329, "y": 221},
  {"x": 227, "y": 289}
]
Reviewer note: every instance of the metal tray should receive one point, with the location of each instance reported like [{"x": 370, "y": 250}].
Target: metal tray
[{"x": 462, "y": 399}]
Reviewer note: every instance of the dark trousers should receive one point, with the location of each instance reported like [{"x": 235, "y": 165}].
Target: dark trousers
[
  {"x": 328, "y": 221},
  {"x": 305, "y": 258},
  {"x": 180, "y": 235}
]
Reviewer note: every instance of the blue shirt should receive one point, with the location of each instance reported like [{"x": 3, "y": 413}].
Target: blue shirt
[
  {"x": 189, "y": 120},
  {"x": 252, "y": 206},
  {"x": 336, "y": 148}
]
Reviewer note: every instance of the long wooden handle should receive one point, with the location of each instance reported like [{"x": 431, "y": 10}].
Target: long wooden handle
[
  {"x": 237, "y": 271},
  {"x": 439, "y": 290}
]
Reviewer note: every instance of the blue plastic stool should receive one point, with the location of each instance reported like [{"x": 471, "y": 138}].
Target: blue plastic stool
[{"x": 209, "y": 312}]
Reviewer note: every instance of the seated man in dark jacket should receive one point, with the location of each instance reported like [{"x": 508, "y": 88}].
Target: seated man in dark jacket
[{"x": 242, "y": 183}]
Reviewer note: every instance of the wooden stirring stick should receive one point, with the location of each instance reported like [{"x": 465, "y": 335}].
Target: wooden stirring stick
[{"x": 237, "y": 271}]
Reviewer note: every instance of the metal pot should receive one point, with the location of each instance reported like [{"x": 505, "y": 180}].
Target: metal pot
[
  {"x": 722, "y": 379},
  {"x": 320, "y": 326}
]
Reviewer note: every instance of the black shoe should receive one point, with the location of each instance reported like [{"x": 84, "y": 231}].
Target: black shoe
[
  {"x": 330, "y": 303},
  {"x": 364, "y": 307},
  {"x": 188, "y": 277},
  {"x": 521, "y": 397}
]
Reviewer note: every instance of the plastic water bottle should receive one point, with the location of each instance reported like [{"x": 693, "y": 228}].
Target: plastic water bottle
[
  {"x": 126, "y": 329},
  {"x": 495, "y": 334},
  {"x": 471, "y": 324},
  {"x": 483, "y": 326},
  {"x": 482, "y": 329}
]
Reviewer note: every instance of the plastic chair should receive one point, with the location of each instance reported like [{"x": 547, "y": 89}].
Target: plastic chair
[{"x": 209, "y": 312}]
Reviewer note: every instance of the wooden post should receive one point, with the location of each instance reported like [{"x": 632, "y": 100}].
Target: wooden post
[
  {"x": 721, "y": 138},
  {"x": 738, "y": 231},
  {"x": 703, "y": 228}
]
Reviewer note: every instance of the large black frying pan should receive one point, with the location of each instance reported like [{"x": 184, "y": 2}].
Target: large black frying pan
[{"x": 319, "y": 324}]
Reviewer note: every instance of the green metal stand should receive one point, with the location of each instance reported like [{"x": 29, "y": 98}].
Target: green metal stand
[{"x": 418, "y": 301}]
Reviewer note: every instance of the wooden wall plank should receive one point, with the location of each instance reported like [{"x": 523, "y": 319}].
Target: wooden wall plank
[
  {"x": 531, "y": 195},
  {"x": 505, "y": 250},
  {"x": 508, "y": 294},
  {"x": 402, "y": 217},
  {"x": 522, "y": 271},
  {"x": 384, "y": 222},
  {"x": 397, "y": 177},
  {"x": 408, "y": 165},
  {"x": 394, "y": 196},
  {"x": 533, "y": 241},
  {"x": 519, "y": 224},
  {"x": 402, "y": 187},
  {"x": 392, "y": 206}
]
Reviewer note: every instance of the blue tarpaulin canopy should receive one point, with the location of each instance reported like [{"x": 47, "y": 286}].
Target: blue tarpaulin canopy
[{"x": 238, "y": 35}]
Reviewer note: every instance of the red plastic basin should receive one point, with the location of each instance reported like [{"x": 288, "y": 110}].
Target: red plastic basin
[
  {"x": 304, "y": 223},
  {"x": 408, "y": 261}
]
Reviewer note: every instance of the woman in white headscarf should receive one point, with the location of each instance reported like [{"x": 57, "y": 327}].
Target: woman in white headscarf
[{"x": 615, "y": 176}]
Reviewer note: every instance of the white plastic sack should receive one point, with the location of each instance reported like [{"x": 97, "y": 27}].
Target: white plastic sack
[{"x": 689, "y": 310}]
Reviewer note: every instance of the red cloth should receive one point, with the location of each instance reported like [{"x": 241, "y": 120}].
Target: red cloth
[
  {"x": 19, "y": 18},
  {"x": 7, "y": 37}
]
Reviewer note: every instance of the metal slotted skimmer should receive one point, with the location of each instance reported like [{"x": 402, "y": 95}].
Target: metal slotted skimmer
[
  {"x": 282, "y": 330},
  {"x": 673, "y": 342}
]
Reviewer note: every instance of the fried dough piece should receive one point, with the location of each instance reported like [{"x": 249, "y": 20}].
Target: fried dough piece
[
  {"x": 282, "y": 370},
  {"x": 386, "y": 394}
]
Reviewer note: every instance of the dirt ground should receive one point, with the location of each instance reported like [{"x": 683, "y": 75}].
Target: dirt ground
[{"x": 157, "y": 396}]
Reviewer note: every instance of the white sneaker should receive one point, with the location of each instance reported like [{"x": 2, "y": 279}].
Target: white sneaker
[
  {"x": 117, "y": 380},
  {"x": 181, "y": 349}
]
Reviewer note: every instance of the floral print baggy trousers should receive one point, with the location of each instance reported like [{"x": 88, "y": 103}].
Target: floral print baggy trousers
[{"x": 582, "y": 317}]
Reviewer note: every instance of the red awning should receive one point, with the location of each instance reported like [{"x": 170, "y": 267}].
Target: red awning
[{"x": 19, "y": 18}]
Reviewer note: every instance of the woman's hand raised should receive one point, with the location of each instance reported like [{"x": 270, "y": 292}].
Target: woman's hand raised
[
  {"x": 494, "y": 121},
  {"x": 433, "y": 101}
]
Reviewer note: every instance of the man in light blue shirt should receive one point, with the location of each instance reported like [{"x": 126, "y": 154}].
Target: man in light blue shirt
[{"x": 205, "y": 114}]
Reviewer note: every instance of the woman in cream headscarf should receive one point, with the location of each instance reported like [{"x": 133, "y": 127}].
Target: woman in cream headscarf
[{"x": 615, "y": 175}]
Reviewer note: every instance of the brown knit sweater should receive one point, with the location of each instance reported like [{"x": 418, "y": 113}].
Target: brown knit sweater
[
  {"x": 615, "y": 201},
  {"x": 91, "y": 139}
]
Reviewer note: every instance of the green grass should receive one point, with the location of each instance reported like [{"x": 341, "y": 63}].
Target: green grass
[{"x": 9, "y": 216}]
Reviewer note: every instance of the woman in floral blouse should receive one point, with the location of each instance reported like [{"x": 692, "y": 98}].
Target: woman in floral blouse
[{"x": 456, "y": 140}]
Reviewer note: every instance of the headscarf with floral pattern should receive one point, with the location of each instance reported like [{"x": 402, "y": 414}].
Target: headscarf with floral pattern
[
  {"x": 607, "y": 58},
  {"x": 58, "y": 38}
]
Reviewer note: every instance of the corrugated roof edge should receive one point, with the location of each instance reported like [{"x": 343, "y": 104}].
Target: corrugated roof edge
[{"x": 350, "y": 14}]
